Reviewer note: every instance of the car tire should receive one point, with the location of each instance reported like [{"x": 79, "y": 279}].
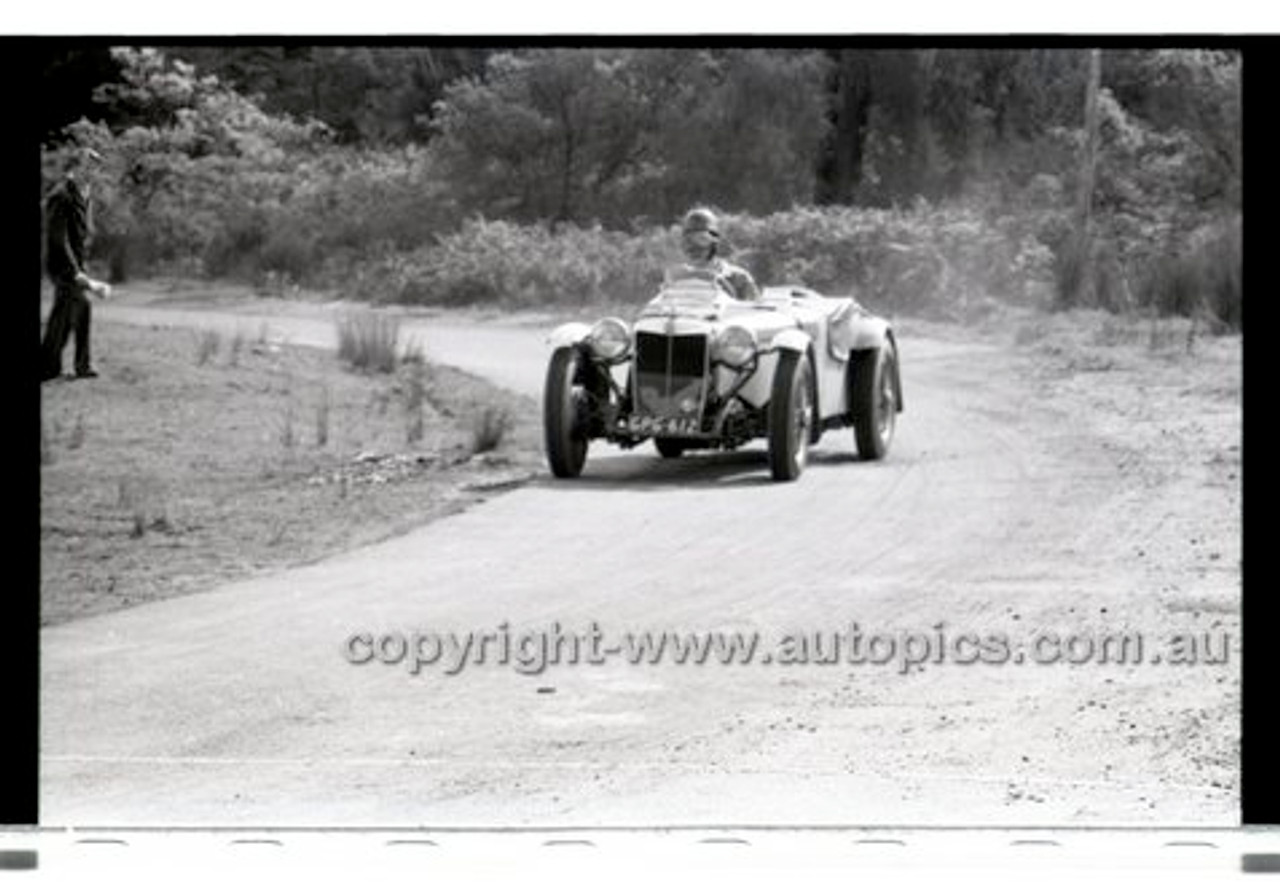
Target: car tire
[
  {"x": 874, "y": 400},
  {"x": 564, "y": 431},
  {"x": 790, "y": 416},
  {"x": 669, "y": 448}
]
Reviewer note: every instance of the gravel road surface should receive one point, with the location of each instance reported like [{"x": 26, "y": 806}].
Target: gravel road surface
[{"x": 1010, "y": 506}]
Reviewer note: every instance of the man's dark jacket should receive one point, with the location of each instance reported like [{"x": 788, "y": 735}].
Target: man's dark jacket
[{"x": 66, "y": 232}]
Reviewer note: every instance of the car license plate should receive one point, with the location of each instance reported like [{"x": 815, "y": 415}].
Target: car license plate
[{"x": 649, "y": 426}]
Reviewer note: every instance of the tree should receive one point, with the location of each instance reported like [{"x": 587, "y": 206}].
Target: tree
[
  {"x": 1079, "y": 266},
  {"x": 185, "y": 158},
  {"x": 840, "y": 168},
  {"x": 748, "y": 131},
  {"x": 583, "y": 134},
  {"x": 928, "y": 122},
  {"x": 68, "y": 76},
  {"x": 368, "y": 95}
]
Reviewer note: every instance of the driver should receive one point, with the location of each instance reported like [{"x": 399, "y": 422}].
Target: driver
[{"x": 700, "y": 239}]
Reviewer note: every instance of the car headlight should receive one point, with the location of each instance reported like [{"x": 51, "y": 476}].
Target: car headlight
[
  {"x": 610, "y": 339},
  {"x": 735, "y": 346}
]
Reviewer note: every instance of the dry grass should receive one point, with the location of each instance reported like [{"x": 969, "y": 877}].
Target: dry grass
[
  {"x": 322, "y": 417},
  {"x": 236, "y": 348},
  {"x": 195, "y": 475},
  {"x": 46, "y": 448},
  {"x": 76, "y": 439},
  {"x": 369, "y": 341},
  {"x": 488, "y": 427},
  {"x": 415, "y": 403},
  {"x": 207, "y": 342}
]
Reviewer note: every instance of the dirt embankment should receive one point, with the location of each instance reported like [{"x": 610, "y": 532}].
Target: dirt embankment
[{"x": 199, "y": 458}]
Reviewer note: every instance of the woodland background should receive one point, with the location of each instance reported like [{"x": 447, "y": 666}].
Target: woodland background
[{"x": 935, "y": 181}]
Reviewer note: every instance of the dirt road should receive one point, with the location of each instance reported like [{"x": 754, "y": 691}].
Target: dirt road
[{"x": 1018, "y": 500}]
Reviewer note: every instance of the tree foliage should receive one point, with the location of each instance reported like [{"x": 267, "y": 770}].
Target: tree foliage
[
  {"x": 188, "y": 160},
  {"x": 329, "y": 160},
  {"x": 588, "y": 134},
  {"x": 368, "y": 96}
]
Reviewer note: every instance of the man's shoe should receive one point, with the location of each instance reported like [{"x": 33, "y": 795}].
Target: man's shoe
[{"x": 87, "y": 374}]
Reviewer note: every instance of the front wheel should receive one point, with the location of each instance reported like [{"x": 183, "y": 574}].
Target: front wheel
[
  {"x": 563, "y": 426},
  {"x": 874, "y": 400},
  {"x": 790, "y": 416}
]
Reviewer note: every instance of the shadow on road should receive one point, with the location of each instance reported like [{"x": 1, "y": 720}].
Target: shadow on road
[{"x": 643, "y": 471}]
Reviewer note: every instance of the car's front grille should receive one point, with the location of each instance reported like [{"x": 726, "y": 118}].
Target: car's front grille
[
  {"x": 670, "y": 373},
  {"x": 687, "y": 354}
]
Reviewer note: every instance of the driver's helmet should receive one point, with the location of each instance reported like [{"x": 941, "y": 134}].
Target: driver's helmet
[{"x": 700, "y": 230}]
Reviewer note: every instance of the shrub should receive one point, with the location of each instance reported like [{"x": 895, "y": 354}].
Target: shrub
[
  {"x": 1221, "y": 260},
  {"x": 289, "y": 253},
  {"x": 495, "y": 262},
  {"x": 1202, "y": 280},
  {"x": 234, "y": 250},
  {"x": 914, "y": 260}
]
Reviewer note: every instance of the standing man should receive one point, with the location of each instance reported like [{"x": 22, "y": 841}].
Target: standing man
[
  {"x": 700, "y": 240},
  {"x": 67, "y": 233}
]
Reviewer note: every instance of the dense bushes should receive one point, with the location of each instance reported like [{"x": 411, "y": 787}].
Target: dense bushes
[
  {"x": 899, "y": 259},
  {"x": 927, "y": 258},
  {"x": 938, "y": 260},
  {"x": 337, "y": 207},
  {"x": 496, "y": 262},
  {"x": 1204, "y": 280}
]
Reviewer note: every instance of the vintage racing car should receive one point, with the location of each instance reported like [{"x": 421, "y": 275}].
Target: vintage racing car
[{"x": 701, "y": 369}]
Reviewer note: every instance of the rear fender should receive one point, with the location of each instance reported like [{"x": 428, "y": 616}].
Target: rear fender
[
  {"x": 791, "y": 340},
  {"x": 867, "y": 333}
]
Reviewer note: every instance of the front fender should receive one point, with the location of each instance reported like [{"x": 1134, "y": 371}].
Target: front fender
[{"x": 568, "y": 335}]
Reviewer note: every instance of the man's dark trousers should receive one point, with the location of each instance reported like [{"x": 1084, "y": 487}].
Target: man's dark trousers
[{"x": 70, "y": 315}]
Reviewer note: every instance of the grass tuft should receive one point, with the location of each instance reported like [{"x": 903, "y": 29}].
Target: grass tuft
[
  {"x": 368, "y": 341},
  {"x": 489, "y": 427},
  {"x": 287, "y": 436},
  {"x": 75, "y": 440},
  {"x": 322, "y": 417},
  {"x": 207, "y": 341},
  {"x": 414, "y": 355},
  {"x": 415, "y": 401},
  {"x": 46, "y": 448},
  {"x": 237, "y": 346}
]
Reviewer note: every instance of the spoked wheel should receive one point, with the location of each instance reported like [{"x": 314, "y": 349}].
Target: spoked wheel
[
  {"x": 563, "y": 408},
  {"x": 875, "y": 401},
  {"x": 790, "y": 416}
]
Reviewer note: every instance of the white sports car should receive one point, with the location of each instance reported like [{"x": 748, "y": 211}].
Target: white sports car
[{"x": 701, "y": 369}]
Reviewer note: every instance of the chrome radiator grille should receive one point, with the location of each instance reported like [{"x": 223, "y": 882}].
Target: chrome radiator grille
[{"x": 671, "y": 374}]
